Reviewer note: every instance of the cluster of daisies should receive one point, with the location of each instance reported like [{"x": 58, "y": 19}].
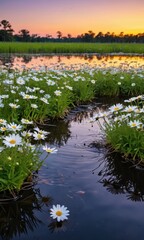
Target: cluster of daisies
[
  {"x": 13, "y": 134},
  {"x": 123, "y": 125},
  {"x": 132, "y": 115}
]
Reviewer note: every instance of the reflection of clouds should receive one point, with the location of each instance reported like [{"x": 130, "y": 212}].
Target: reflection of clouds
[{"x": 121, "y": 177}]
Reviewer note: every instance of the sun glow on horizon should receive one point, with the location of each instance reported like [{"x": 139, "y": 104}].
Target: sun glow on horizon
[{"x": 74, "y": 17}]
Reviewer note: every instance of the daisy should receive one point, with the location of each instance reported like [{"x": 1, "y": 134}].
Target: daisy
[
  {"x": 13, "y": 105},
  {"x": 41, "y": 131},
  {"x": 130, "y": 109},
  {"x": 135, "y": 123},
  {"x": 59, "y": 213},
  {"x": 34, "y": 106},
  {"x": 12, "y": 140},
  {"x": 3, "y": 129},
  {"x": 44, "y": 100},
  {"x": 26, "y": 121},
  {"x": 57, "y": 93},
  {"x": 26, "y": 133},
  {"x": 20, "y": 81},
  {"x": 14, "y": 127},
  {"x": 116, "y": 107},
  {"x": 2, "y": 121},
  {"x": 49, "y": 150},
  {"x": 133, "y": 84},
  {"x": 38, "y": 136}
]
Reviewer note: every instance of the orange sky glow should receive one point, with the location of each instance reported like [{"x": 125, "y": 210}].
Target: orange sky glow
[{"x": 74, "y": 17}]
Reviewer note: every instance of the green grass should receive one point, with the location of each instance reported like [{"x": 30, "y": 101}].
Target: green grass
[{"x": 17, "y": 47}]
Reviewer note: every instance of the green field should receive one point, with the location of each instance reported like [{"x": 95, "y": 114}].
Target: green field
[{"x": 17, "y": 47}]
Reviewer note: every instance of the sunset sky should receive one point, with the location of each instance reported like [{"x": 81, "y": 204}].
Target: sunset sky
[{"x": 74, "y": 16}]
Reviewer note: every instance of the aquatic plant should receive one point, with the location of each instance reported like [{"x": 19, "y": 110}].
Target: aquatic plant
[{"x": 123, "y": 125}]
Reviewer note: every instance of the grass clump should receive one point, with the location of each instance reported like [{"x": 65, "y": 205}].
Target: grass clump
[{"x": 124, "y": 126}]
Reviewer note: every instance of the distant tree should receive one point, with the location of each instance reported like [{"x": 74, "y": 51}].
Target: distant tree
[
  {"x": 24, "y": 35},
  {"x": 34, "y": 37},
  {"x": 69, "y": 35},
  {"x": 99, "y": 37},
  {"x": 48, "y": 36},
  {"x": 59, "y": 34},
  {"x": 88, "y": 37},
  {"x": 6, "y": 31}
]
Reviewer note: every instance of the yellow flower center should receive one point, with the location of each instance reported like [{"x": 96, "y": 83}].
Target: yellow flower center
[
  {"x": 48, "y": 150},
  {"x": 133, "y": 124},
  {"x": 116, "y": 108},
  {"x": 39, "y": 136},
  {"x": 12, "y": 141},
  {"x": 13, "y": 126},
  {"x": 27, "y": 96},
  {"x": 59, "y": 213},
  {"x": 3, "y": 128}
]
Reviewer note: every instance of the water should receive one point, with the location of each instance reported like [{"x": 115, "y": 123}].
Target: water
[
  {"x": 103, "y": 193},
  {"x": 72, "y": 61}
]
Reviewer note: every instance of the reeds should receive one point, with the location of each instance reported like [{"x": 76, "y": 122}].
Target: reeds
[{"x": 23, "y": 47}]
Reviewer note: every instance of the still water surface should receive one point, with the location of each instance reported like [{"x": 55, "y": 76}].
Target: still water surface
[
  {"x": 104, "y": 194},
  {"x": 72, "y": 61}
]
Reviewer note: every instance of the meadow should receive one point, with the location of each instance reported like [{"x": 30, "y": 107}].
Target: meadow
[
  {"x": 27, "y": 47},
  {"x": 32, "y": 96}
]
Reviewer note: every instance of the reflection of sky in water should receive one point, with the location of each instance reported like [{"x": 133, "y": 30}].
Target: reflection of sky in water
[{"x": 75, "y": 61}]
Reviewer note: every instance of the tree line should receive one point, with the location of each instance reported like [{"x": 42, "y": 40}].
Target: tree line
[{"x": 7, "y": 34}]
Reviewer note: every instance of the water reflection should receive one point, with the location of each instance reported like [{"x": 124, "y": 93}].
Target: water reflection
[
  {"x": 57, "y": 226},
  {"x": 59, "y": 131},
  {"x": 71, "y": 61},
  {"x": 121, "y": 177},
  {"x": 19, "y": 217}
]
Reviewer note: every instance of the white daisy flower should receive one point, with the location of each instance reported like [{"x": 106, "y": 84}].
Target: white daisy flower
[
  {"x": 41, "y": 131},
  {"x": 93, "y": 81},
  {"x": 2, "y": 121},
  {"x": 13, "y": 105},
  {"x": 57, "y": 93},
  {"x": 3, "y": 129},
  {"x": 130, "y": 109},
  {"x": 20, "y": 81},
  {"x": 133, "y": 84},
  {"x": 116, "y": 107},
  {"x": 14, "y": 127},
  {"x": 26, "y": 134},
  {"x": 59, "y": 213},
  {"x": 26, "y": 121},
  {"x": 44, "y": 100},
  {"x": 12, "y": 140},
  {"x": 49, "y": 150},
  {"x": 135, "y": 123},
  {"x": 119, "y": 83},
  {"x": 34, "y": 106},
  {"x": 38, "y": 136}
]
